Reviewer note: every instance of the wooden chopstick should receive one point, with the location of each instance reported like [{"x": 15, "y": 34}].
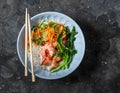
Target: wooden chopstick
[
  {"x": 32, "y": 67},
  {"x": 26, "y": 30}
]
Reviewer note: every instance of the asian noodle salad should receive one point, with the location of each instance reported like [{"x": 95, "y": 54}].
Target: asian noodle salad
[{"x": 52, "y": 45}]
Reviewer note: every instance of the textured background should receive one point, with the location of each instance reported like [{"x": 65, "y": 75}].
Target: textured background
[{"x": 99, "y": 71}]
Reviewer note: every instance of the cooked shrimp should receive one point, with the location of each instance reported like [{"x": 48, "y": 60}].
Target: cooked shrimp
[
  {"x": 54, "y": 44},
  {"x": 47, "y": 47},
  {"x": 55, "y": 62},
  {"x": 47, "y": 53}
]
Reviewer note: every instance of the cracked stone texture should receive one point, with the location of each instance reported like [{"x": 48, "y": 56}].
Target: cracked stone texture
[{"x": 99, "y": 71}]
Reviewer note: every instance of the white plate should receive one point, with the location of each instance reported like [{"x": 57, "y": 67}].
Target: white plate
[{"x": 79, "y": 44}]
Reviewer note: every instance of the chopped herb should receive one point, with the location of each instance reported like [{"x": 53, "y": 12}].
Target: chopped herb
[
  {"x": 44, "y": 35},
  {"x": 51, "y": 24},
  {"x": 43, "y": 26},
  {"x": 39, "y": 41}
]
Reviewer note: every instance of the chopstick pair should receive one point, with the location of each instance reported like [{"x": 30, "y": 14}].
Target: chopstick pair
[{"x": 28, "y": 31}]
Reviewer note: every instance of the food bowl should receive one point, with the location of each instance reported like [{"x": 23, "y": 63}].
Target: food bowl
[{"x": 79, "y": 44}]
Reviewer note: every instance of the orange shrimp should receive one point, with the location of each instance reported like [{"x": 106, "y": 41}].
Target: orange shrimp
[
  {"x": 47, "y": 51},
  {"x": 55, "y": 63}
]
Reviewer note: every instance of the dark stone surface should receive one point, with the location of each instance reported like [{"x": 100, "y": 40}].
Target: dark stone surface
[{"x": 99, "y": 71}]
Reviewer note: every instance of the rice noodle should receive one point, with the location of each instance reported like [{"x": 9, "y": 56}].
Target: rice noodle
[{"x": 37, "y": 58}]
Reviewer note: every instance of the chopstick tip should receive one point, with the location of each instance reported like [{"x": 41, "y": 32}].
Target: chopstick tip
[{"x": 33, "y": 78}]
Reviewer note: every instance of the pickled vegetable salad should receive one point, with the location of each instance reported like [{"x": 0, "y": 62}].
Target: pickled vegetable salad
[{"x": 56, "y": 43}]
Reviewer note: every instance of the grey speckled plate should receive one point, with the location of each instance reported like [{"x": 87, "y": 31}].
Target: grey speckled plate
[{"x": 79, "y": 44}]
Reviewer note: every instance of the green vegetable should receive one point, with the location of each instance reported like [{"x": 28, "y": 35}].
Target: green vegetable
[
  {"x": 67, "y": 31},
  {"x": 60, "y": 46},
  {"x": 70, "y": 37},
  {"x": 51, "y": 24},
  {"x": 39, "y": 41},
  {"x": 44, "y": 35},
  {"x": 68, "y": 50},
  {"x": 58, "y": 54},
  {"x": 59, "y": 40},
  {"x": 43, "y": 25}
]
